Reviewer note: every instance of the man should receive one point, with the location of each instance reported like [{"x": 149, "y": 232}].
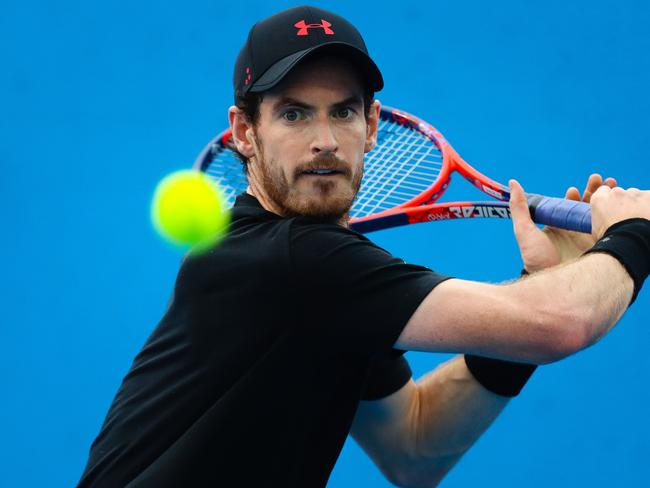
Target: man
[{"x": 288, "y": 335}]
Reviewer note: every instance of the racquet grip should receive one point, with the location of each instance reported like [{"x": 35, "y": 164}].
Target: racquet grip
[{"x": 559, "y": 212}]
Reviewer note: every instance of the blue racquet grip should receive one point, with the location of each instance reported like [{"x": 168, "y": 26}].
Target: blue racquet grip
[{"x": 558, "y": 212}]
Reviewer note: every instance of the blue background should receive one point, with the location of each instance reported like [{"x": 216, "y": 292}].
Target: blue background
[{"x": 99, "y": 100}]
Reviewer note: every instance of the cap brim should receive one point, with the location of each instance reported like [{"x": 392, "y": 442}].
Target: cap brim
[{"x": 370, "y": 72}]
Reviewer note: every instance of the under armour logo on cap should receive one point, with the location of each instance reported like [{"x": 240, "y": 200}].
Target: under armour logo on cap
[
  {"x": 279, "y": 43},
  {"x": 303, "y": 28}
]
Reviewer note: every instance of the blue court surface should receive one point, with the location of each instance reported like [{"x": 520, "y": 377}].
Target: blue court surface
[{"x": 99, "y": 100}]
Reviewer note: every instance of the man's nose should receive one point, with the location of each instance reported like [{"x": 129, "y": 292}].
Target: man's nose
[{"x": 324, "y": 140}]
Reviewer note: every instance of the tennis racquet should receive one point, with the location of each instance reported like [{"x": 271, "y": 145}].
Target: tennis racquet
[{"x": 404, "y": 176}]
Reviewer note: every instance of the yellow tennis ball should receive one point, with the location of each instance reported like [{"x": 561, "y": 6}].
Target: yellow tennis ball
[{"x": 189, "y": 209}]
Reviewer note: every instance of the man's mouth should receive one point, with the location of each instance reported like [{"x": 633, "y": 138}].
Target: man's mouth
[{"x": 322, "y": 172}]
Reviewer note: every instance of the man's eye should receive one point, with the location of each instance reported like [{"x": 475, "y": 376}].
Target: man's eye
[
  {"x": 344, "y": 113},
  {"x": 291, "y": 115}
]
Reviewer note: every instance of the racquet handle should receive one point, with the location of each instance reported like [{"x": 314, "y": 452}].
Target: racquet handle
[{"x": 558, "y": 212}]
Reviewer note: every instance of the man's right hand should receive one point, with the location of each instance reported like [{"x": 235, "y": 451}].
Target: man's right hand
[{"x": 612, "y": 205}]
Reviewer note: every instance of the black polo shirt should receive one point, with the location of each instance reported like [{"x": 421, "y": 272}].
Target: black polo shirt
[{"x": 254, "y": 374}]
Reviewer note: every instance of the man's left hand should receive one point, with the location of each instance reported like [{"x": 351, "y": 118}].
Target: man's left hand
[{"x": 543, "y": 248}]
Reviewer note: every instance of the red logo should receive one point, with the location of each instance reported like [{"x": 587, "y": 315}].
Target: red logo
[
  {"x": 303, "y": 29},
  {"x": 247, "y": 77}
]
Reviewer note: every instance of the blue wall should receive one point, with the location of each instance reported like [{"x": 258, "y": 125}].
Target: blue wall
[{"x": 99, "y": 100}]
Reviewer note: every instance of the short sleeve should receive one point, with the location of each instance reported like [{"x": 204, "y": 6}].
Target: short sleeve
[{"x": 356, "y": 295}]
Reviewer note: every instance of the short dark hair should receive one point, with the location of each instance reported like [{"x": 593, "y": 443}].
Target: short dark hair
[{"x": 250, "y": 103}]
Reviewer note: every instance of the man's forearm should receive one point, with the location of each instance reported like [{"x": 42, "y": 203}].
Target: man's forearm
[
  {"x": 453, "y": 411},
  {"x": 593, "y": 291}
]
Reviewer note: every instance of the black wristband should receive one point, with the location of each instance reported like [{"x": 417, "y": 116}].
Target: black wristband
[
  {"x": 629, "y": 242},
  {"x": 505, "y": 378}
]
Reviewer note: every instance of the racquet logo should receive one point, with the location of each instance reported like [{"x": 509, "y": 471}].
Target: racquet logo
[
  {"x": 475, "y": 211},
  {"x": 303, "y": 28}
]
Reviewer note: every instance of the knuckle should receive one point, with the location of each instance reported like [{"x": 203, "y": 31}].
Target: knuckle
[{"x": 599, "y": 194}]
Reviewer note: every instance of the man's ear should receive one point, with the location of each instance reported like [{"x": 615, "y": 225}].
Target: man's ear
[
  {"x": 240, "y": 125},
  {"x": 372, "y": 125}
]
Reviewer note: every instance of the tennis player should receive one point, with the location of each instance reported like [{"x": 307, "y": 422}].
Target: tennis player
[{"x": 289, "y": 336}]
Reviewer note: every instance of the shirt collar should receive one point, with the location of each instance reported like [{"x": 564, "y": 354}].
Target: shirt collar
[{"x": 247, "y": 200}]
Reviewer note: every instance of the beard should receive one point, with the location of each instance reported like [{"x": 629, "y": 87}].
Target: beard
[{"x": 329, "y": 200}]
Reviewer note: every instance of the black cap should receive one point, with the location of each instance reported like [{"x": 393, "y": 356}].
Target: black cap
[{"x": 278, "y": 43}]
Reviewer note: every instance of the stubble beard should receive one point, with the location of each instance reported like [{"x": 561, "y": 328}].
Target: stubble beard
[{"x": 333, "y": 201}]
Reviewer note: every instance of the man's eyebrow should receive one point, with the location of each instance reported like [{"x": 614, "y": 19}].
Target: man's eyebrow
[
  {"x": 354, "y": 100},
  {"x": 288, "y": 101}
]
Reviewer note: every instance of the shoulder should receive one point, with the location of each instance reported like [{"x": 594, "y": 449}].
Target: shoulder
[{"x": 330, "y": 237}]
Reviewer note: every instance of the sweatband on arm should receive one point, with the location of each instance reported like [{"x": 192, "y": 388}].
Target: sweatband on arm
[
  {"x": 505, "y": 378},
  {"x": 629, "y": 242}
]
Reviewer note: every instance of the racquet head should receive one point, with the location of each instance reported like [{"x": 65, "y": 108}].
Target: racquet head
[{"x": 404, "y": 177}]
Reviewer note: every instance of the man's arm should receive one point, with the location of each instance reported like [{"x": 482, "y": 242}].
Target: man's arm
[
  {"x": 418, "y": 433},
  {"x": 541, "y": 319}
]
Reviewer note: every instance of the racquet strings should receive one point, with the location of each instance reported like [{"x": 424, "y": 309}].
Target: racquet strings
[
  {"x": 404, "y": 164},
  {"x": 227, "y": 170}
]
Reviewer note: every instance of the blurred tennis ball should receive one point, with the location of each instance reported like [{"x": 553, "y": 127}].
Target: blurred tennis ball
[{"x": 189, "y": 209}]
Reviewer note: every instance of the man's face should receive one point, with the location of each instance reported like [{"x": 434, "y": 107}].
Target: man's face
[{"x": 310, "y": 141}]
